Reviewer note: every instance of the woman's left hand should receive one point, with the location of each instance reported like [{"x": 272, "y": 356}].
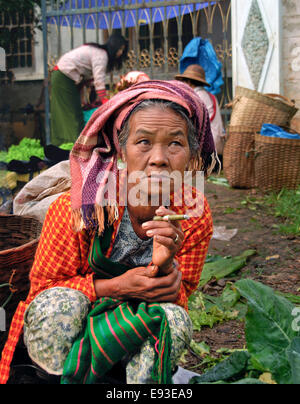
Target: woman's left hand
[{"x": 167, "y": 240}]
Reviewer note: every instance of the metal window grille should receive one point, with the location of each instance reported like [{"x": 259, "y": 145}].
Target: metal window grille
[{"x": 19, "y": 49}]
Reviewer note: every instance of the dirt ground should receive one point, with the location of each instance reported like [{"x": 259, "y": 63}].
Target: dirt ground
[{"x": 255, "y": 231}]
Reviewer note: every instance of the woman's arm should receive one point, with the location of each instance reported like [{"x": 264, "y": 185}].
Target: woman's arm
[
  {"x": 190, "y": 250},
  {"x": 143, "y": 284},
  {"x": 99, "y": 60}
]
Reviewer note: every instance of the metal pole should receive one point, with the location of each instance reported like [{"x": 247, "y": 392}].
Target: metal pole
[{"x": 46, "y": 76}]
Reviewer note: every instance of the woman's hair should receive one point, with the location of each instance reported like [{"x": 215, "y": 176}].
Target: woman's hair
[
  {"x": 113, "y": 44},
  {"x": 163, "y": 104}
]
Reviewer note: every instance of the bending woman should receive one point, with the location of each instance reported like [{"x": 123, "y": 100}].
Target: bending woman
[
  {"x": 109, "y": 284},
  {"x": 90, "y": 61}
]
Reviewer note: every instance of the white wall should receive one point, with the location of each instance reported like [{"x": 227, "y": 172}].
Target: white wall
[
  {"x": 291, "y": 50},
  {"x": 270, "y": 80}
]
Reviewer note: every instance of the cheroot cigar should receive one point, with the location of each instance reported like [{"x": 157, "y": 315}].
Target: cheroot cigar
[{"x": 170, "y": 218}]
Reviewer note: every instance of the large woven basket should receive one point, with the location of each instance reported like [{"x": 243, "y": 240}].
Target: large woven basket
[
  {"x": 19, "y": 236},
  {"x": 277, "y": 163},
  {"x": 238, "y": 157},
  {"x": 253, "y": 109}
]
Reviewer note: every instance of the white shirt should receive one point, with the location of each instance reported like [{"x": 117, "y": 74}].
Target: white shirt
[
  {"x": 85, "y": 63},
  {"x": 217, "y": 123}
]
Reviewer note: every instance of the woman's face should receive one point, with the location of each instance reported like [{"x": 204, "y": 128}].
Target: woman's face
[
  {"x": 157, "y": 145},
  {"x": 120, "y": 52}
]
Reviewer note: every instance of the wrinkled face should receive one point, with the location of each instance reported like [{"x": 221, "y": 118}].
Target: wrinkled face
[{"x": 157, "y": 145}]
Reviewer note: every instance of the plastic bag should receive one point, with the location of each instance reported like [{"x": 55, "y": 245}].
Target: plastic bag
[
  {"x": 276, "y": 131},
  {"x": 223, "y": 234},
  {"x": 38, "y": 194},
  {"x": 200, "y": 51}
]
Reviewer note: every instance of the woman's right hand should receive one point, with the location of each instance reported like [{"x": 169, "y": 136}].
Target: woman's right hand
[{"x": 142, "y": 283}]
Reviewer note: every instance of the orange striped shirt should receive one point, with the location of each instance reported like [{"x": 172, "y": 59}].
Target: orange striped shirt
[{"x": 62, "y": 260}]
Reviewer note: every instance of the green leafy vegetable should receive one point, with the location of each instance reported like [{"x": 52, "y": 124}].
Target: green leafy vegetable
[
  {"x": 269, "y": 330},
  {"x": 228, "y": 369},
  {"x": 66, "y": 146},
  {"x": 293, "y": 354},
  {"x": 223, "y": 267},
  {"x": 24, "y": 150},
  {"x": 205, "y": 310}
]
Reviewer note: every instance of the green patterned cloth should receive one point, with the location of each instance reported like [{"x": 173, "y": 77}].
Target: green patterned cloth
[{"x": 115, "y": 329}]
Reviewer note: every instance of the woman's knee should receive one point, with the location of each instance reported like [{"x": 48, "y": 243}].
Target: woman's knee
[{"x": 52, "y": 322}]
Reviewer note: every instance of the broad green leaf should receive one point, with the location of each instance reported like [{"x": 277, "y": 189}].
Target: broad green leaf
[
  {"x": 249, "y": 381},
  {"x": 231, "y": 367},
  {"x": 293, "y": 354},
  {"x": 268, "y": 329},
  {"x": 224, "y": 267},
  {"x": 230, "y": 296},
  {"x": 289, "y": 296},
  {"x": 243, "y": 381}
]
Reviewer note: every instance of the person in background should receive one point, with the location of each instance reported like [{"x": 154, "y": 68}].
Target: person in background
[
  {"x": 130, "y": 79},
  {"x": 89, "y": 61},
  {"x": 194, "y": 76}
]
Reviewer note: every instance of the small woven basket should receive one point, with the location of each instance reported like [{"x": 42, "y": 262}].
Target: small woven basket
[
  {"x": 19, "y": 236},
  {"x": 253, "y": 109},
  {"x": 238, "y": 157},
  {"x": 277, "y": 163}
]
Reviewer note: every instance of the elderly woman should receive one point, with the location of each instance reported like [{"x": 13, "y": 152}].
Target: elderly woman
[{"x": 112, "y": 275}]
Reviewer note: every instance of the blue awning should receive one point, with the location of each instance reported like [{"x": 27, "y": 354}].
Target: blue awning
[{"x": 116, "y": 18}]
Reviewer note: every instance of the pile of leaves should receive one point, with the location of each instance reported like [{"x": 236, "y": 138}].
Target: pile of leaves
[
  {"x": 272, "y": 330},
  {"x": 28, "y": 148}
]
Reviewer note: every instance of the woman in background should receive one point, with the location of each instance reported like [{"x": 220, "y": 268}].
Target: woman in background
[
  {"x": 194, "y": 76},
  {"x": 89, "y": 61}
]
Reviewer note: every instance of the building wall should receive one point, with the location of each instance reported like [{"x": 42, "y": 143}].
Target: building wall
[{"x": 291, "y": 51}]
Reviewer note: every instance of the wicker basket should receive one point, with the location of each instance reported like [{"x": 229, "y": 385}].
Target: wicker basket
[
  {"x": 19, "y": 236},
  {"x": 238, "y": 157},
  {"x": 253, "y": 109},
  {"x": 277, "y": 163}
]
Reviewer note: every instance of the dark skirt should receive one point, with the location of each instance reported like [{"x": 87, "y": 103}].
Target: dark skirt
[{"x": 66, "y": 113}]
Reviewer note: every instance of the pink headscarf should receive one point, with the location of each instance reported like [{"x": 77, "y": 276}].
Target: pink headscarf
[{"x": 94, "y": 156}]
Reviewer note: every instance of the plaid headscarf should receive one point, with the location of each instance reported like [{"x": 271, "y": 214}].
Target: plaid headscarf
[{"x": 94, "y": 156}]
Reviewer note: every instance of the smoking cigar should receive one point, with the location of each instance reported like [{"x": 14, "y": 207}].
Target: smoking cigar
[{"x": 170, "y": 218}]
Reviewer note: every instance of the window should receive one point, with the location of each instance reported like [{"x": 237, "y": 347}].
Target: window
[{"x": 23, "y": 48}]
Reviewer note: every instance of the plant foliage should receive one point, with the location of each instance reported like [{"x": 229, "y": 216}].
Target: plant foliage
[{"x": 273, "y": 345}]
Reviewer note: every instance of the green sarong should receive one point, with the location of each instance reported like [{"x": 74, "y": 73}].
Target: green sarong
[
  {"x": 67, "y": 120},
  {"x": 115, "y": 329}
]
